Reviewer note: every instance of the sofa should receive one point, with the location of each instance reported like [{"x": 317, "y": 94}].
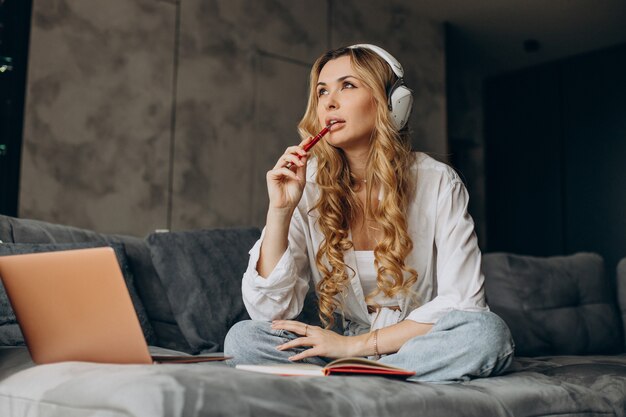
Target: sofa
[{"x": 566, "y": 314}]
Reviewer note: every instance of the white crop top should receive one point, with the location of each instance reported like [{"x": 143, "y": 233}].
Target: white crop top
[{"x": 367, "y": 274}]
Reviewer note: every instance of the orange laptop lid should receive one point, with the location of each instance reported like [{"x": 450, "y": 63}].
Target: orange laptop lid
[{"x": 74, "y": 306}]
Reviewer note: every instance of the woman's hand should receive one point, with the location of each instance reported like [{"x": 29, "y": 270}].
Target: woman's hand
[
  {"x": 285, "y": 185},
  {"x": 323, "y": 342}
]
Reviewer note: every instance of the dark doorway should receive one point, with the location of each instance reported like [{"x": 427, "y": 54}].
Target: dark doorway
[
  {"x": 555, "y": 140},
  {"x": 14, "y": 35}
]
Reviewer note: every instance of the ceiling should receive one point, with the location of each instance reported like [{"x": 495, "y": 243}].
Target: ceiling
[{"x": 489, "y": 35}]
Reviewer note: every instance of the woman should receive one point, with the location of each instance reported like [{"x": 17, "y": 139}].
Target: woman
[{"x": 382, "y": 233}]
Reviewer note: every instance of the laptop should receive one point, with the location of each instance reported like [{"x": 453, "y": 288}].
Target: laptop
[{"x": 74, "y": 305}]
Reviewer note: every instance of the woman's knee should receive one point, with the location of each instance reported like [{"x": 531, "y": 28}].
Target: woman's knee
[
  {"x": 484, "y": 334},
  {"x": 255, "y": 342},
  {"x": 481, "y": 327},
  {"x": 493, "y": 341},
  {"x": 494, "y": 332},
  {"x": 242, "y": 333}
]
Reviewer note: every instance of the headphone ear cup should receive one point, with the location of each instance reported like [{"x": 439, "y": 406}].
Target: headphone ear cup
[{"x": 401, "y": 102}]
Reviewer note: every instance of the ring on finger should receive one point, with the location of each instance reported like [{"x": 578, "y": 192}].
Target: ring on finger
[{"x": 306, "y": 328}]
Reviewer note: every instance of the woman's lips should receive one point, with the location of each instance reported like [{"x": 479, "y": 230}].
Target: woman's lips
[{"x": 336, "y": 125}]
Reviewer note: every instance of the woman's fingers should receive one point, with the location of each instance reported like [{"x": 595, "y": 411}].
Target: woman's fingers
[
  {"x": 285, "y": 182},
  {"x": 296, "y": 149},
  {"x": 289, "y": 160},
  {"x": 301, "y": 341},
  {"x": 291, "y": 325},
  {"x": 305, "y": 142},
  {"x": 292, "y": 155},
  {"x": 281, "y": 172},
  {"x": 309, "y": 353},
  {"x": 320, "y": 342}
]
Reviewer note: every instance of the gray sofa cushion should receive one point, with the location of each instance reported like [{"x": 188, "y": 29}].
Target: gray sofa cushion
[
  {"x": 10, "y": 334},
  {"x": 153, "y": 295},
  {"x": 556, "y": 305},
  {"x": 201, "y": 271},
  {"x": 550, "y": 386},
  {"x": 621, "y": 293},
  {"x": 5, "y": 229},
  {"x": 35, "y": 231}
]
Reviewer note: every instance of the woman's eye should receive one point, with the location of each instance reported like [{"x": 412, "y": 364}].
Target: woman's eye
[
  {"x": 348, "y": 85},
  {"x": 321, "y": 92}
]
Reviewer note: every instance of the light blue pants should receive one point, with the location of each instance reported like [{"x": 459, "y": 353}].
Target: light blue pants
[{"x": 460, "y": 346}]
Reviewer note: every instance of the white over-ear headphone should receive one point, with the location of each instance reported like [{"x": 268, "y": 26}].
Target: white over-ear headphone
[{"x": 399, "y": 97}]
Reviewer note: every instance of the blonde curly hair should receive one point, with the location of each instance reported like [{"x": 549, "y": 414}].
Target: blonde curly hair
[{"x": 389, "y": 162}]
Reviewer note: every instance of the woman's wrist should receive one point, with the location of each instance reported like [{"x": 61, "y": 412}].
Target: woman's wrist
[
  {"x": 363, "y": 344},
  {"x": 277, "y": 222},
  {"x": 275, "y": 241},
  {"x": 280, "y": 215}
]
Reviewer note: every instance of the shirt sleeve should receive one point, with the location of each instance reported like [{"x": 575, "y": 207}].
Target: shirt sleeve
[
  {"x": 458, "y": 273},
  {"x": 281, "y": 294}
]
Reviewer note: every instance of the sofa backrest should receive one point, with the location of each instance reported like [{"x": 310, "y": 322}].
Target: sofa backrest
[
  {"x": 555, "y": 305},
  {"x": 189, "y": 281},
  {"x": 201, "y": 271}
]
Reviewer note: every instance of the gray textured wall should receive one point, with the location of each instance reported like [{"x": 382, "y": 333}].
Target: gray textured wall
[
  {"x": 466, "y": 139},
  {"x": 98, "y": 114},
  {"x": 145, "y": 114}
]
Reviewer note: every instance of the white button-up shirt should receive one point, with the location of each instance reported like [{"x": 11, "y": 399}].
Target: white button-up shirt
[{"x": 445, "y": 255}]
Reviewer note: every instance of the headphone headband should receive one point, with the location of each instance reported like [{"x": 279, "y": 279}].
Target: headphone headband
[{"x": 393, "y": 63}]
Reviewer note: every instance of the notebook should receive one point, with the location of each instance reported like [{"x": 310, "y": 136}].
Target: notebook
[
  {"x": 74, "y": 305},
  {"x": 343, "y": 366}
]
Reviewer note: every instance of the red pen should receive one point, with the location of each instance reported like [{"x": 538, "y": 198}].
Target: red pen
[{"x": 314, "y": 141}]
